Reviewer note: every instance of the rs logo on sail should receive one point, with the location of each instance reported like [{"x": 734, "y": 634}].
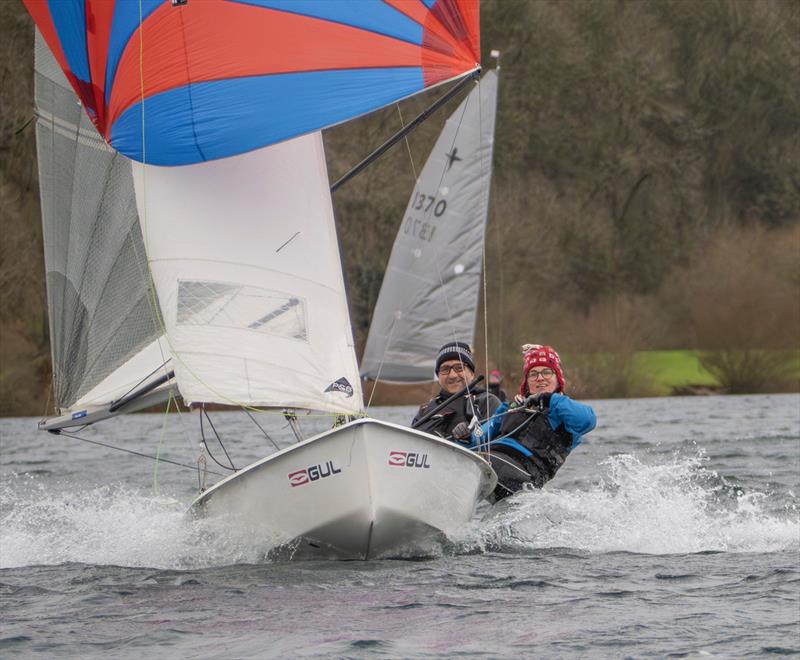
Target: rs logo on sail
[
  {"x": 408, "y": 459},
  {"x": 312, "y": 473}
]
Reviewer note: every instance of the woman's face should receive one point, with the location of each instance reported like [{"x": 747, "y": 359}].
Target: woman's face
[{"x": 542, "y": 379}]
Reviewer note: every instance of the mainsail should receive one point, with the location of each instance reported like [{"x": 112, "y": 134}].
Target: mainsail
[
  {"x": 431, "y": 287},
  {"x": 246, "y": 264}
]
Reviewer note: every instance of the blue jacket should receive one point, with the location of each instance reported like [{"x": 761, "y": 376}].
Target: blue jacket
[{"x": 578, "y": 419}]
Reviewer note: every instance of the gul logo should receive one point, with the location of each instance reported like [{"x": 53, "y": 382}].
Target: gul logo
[
  {"x": 408, "y": 459},
  {"x": 342, "y": 385},
  {"x": 312, "y": 473}
]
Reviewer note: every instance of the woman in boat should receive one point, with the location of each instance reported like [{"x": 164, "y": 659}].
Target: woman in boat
[
  {"x": 455, "y": 369},
  {"x": 536, "y": 433}
]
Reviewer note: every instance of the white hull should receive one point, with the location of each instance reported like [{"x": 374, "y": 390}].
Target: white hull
[{"x": 365, "y": 489}]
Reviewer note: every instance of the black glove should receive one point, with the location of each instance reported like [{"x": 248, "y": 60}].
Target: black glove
[
  {"x": 540, "y": 400},
  {"x": 461, "y": 431}
]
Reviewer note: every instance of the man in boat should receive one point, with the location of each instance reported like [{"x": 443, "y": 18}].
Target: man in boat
[
  {"x": 455, "y": 369},
  {"x": 536, "y": 433},
  {"x": 495, "y": 385}
]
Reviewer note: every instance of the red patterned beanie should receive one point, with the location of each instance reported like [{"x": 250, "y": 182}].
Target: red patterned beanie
[{"x": 536, "y": 355}]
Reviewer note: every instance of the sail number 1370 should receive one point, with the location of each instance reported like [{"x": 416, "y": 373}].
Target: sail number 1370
[
  {"x": 427, "y": 204},
  {"x": 423, "y": 202}
]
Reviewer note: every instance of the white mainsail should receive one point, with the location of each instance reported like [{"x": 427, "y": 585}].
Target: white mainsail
[
  {"x": 245, "y": 260},
  {"x": 431, "y": 287}
]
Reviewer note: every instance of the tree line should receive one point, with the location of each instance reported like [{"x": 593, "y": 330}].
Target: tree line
[{"x": 646, "y": 190}]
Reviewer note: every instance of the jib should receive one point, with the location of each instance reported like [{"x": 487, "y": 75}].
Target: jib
[
  {"x": 417, "y": 460},
  {"x": 319, "y": 472}
]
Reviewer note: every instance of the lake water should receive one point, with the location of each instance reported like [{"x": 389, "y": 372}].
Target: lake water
[{"x": 674, "y": 531}]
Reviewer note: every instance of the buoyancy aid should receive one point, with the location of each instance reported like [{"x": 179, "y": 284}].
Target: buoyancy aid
[
  {"x": 533, "y": 442},
  {"x": 460, "y": 410}
]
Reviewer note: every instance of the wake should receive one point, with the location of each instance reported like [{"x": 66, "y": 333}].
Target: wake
[{"x": 675, "y": 507}]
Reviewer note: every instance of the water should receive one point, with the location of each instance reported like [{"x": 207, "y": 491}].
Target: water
[{"x": 673, "y": 532}]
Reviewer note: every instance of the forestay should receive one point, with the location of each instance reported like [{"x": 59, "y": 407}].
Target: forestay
[
  {"x": 103, "y": 329},
  {"x": 246, "y": 264},
  {"x": 431, "y": 287}
]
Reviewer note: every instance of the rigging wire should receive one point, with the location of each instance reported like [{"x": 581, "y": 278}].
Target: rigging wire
[
  {"x": 499, "y": 235},
  {"x": 266, "y": 435},
  {"x": 487, "y": 184},
  {"x": 131, "y": 451},
  {"x": 47, "y": 403},
  {"x": 483, "y": 258},
  {"x": 203, "y": 413}
]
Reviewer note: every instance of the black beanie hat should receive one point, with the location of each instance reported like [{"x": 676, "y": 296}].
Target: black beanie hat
[{"x": 455, "y": 350}]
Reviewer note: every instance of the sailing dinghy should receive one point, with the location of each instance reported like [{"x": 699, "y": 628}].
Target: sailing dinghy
[{"x": 191, "y": 250}]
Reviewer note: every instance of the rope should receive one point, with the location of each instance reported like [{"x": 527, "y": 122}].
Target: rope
[
  {"x": 131, "y": 451},
  {"x": 527, "y": 420},
  {"x": 394, "y": 321},
  {"x": 499, "y": 457},
  {"x": 380, "y": 366},
  {"x": 408, "y": 146},
  {"x": 161, "y": 444}
]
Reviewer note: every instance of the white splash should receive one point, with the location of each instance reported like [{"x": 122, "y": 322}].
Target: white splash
[
  {"x": 664, "y": 508},
  {"x": 671, "y": 507},
  {"x": 113, "y": 525}
]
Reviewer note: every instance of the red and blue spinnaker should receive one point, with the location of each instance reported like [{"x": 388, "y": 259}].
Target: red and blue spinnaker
[{"x": 175, "y": 82}]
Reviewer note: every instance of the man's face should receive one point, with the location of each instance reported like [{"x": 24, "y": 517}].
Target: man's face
[{"x": 454, "y": 375}]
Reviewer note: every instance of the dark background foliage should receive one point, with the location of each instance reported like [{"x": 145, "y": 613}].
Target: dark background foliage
[{"x": 646, "y": 188}]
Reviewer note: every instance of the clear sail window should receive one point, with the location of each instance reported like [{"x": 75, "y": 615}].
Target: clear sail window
[{"x": 203, "y": 302}]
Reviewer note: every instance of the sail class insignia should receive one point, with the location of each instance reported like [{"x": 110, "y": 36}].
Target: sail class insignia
[{"x": 342, "y": 385}]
